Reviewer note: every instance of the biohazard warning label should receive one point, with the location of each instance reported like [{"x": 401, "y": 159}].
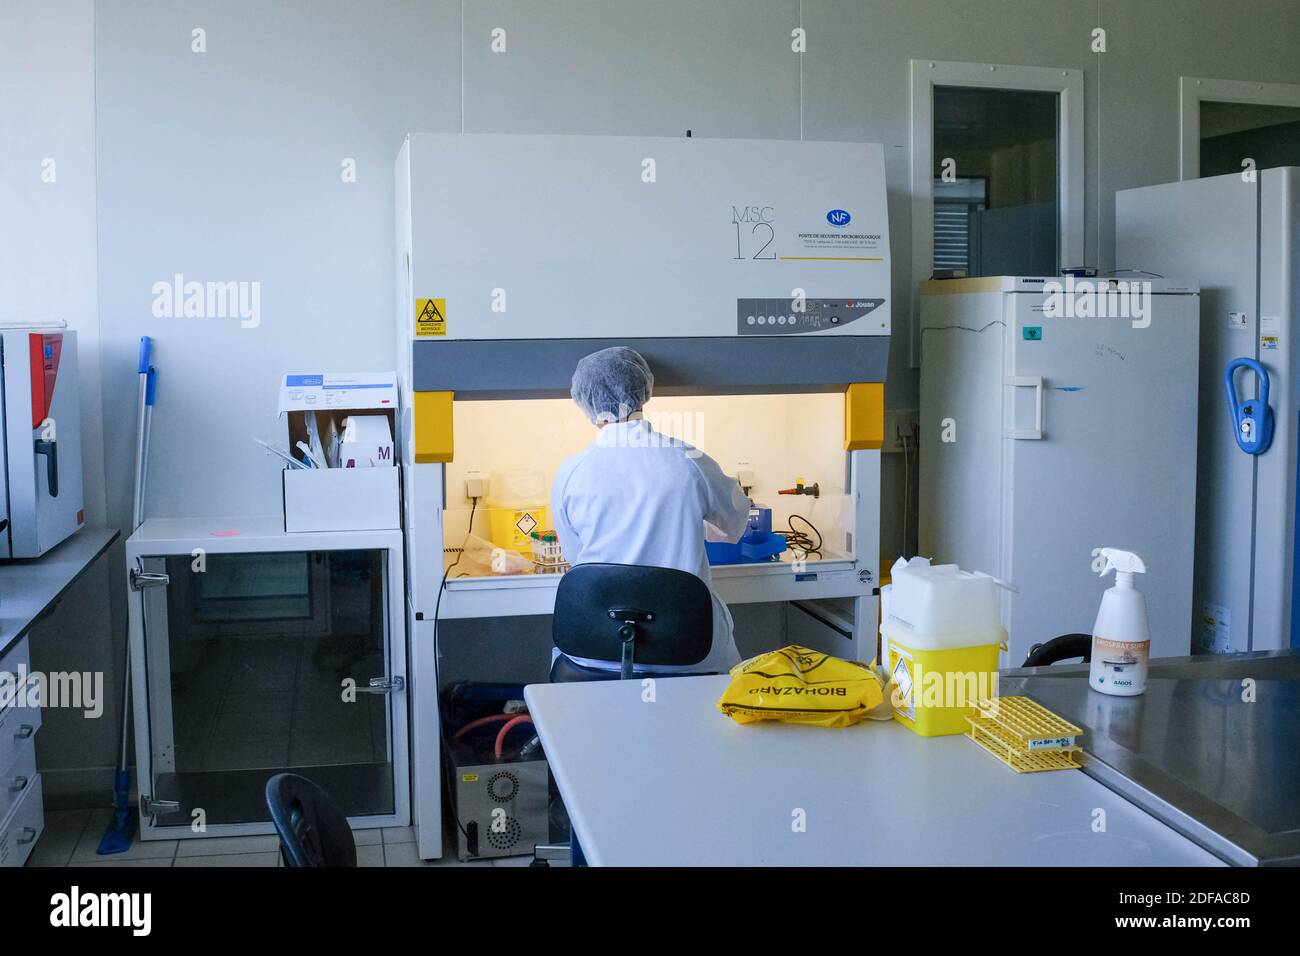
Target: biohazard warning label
[
  {"x": 526, "y": 523},
  {"x": 430, "y": 318},
  {"x": 903, "y": 678}
]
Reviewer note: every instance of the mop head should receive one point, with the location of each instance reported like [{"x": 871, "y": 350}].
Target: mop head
[
  {"x": 121, "y": 831},
  {"x": 121, "y": 828}
]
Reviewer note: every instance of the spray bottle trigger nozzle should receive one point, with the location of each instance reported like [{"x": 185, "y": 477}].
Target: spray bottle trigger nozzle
[{"x": 1121, "y": 562}]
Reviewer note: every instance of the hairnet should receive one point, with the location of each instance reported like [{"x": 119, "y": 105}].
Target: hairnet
[{"x": 611, "y": 384}]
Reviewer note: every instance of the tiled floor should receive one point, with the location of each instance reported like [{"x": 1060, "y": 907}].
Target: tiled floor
[{"x": 72, "y": 836}]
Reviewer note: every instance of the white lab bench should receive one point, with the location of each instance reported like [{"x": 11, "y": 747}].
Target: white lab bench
[
  {"x": 30, "y": 589},
  {"x": 675, "y": 783},
  {"x": 515, "y": 595}
]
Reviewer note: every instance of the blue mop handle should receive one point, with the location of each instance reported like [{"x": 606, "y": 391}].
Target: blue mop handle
[{"x": 146, "y": 345}]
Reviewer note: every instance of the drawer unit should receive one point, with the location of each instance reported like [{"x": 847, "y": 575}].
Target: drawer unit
[
  {"x": 18, "y": 724},
  {"x": 21, "y": 828},
  {"x": 21, "y": 814},
  {"x": 17, "y": 659},
  {"x": 16, "y": 779}
]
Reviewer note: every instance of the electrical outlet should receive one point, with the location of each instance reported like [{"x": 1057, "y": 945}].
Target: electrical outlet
[
  {"x": 901, "y": 423},
  {"x": 475, "y": 485}
]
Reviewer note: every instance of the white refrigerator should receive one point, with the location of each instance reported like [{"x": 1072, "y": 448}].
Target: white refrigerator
[
  {"x": 1058, "y": 418},
  {"x": 1240, "y": 236}
]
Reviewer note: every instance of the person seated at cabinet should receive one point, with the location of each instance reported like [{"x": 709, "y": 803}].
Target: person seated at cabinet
[{"x": 635, "y": 496}]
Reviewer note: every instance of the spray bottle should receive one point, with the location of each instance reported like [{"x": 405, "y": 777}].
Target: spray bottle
[{"x": 1121, "y": 637}]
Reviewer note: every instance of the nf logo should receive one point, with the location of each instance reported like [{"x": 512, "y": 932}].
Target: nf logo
[
  {"x": 132, "y": 910},
  {"x": 839, "y": 217}
]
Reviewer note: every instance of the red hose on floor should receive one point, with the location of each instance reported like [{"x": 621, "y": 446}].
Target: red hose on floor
[{"x": 501, "y": 734}]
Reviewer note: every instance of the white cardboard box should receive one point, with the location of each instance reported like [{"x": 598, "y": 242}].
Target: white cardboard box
[
  {"x": 339, "y": 499},
  {"x": 342, "y": 499}
]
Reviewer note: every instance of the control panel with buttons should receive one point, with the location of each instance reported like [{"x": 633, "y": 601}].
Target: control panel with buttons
[{"x": 785, "y": 317}]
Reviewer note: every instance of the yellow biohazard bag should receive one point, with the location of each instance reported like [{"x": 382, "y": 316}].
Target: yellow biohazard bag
[{"x": 802, "y": 686}]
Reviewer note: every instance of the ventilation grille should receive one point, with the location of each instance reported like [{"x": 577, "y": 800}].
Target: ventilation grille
[
  {"x": 503, "y": 787},
  {"x": 504, "y": 839},
  {"x": 951, "y": 237}
]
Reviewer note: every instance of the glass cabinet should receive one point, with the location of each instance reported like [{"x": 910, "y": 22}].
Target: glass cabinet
[{"x": 254, "y": 655}]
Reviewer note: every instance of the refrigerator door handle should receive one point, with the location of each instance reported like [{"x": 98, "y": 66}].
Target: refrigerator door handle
[{"x": 1036, "y": 383}]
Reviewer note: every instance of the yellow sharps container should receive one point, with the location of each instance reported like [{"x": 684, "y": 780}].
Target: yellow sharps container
[
  {"x": 516, "y": 505},
  {"x": 940, "y": 637}
]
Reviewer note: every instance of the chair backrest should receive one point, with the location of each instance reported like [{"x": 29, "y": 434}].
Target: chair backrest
[
  {"x": 313, "y": 830},
  {"x": 633, "y": 614},
  {"x": 1067, "y": 647}
]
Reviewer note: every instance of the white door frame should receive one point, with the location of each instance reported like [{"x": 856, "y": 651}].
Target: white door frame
[
  {"x": 1193, "y": 90},
  {"x": 1067, "y": 84}
]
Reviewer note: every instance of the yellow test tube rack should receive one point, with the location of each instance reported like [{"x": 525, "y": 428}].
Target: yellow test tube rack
[{"x": 1024, "y": 735}]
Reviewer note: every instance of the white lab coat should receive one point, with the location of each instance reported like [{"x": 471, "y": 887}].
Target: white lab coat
[{"x": 635, "y": 496}]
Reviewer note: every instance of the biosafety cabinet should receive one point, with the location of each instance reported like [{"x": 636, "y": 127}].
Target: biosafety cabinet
[
  {"x": 40, "y": 484},
  {"x": 753, "y": 275}
]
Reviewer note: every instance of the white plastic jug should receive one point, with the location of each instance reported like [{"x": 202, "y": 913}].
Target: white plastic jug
[{"x": 942, "y": 601}]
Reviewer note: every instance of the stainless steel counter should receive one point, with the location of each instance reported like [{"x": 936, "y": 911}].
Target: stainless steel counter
[{"x": 1212, "y": 748}]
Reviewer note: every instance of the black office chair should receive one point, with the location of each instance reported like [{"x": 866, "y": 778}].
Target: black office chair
[
  {"x": 638, "y": 616},
  {"x": 635, "y": 615},
  {"x": 313, "y": 830},
  {"x": 1067, "y": 647}
]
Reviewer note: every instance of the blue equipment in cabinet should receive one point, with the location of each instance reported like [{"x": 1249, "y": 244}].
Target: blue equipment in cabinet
[{"x": 758, "y": 543}]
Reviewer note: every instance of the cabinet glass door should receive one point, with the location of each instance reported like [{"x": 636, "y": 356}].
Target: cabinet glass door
[{"x": 263, "y": 662}]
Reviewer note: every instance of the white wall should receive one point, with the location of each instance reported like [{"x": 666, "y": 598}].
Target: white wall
[
  {"x": 47, "y": 191},
  {"x": 225, "y": 165},
  {"x": 48, "y": 263}
]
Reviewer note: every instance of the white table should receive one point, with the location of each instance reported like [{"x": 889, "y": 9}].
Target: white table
[
  {"x": 674, "y": 782},
  {"x": 30, "y": 586}
]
